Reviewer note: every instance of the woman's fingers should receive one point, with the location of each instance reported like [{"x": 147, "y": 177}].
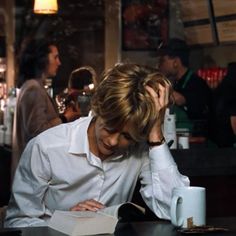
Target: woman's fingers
[
  {"x": 88, "y": 205},
  {"x": 164, "y": 95},
  {"x": 160, "y": 97}
]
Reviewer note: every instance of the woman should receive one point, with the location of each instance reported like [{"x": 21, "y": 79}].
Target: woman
[{"x": 95, "y": 162}]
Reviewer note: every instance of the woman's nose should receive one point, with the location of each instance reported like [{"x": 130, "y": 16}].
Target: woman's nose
[{"x": 113, "y": 139}]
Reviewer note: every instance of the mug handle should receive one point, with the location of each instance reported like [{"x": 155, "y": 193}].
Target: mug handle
[{"x": 173, "y": 211}]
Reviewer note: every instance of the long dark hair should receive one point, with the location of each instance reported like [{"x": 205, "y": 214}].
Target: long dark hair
[{"x": 33, "y": 59}]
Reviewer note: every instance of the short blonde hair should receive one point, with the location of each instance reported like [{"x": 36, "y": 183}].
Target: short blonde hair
[{"x": 121, "y": 97}]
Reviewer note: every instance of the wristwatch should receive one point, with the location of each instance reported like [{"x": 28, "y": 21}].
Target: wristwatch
[{"x": 158, "y": 143}]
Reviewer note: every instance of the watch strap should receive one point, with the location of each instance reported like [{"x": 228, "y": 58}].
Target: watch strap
[{"x": 158, "y": 143}]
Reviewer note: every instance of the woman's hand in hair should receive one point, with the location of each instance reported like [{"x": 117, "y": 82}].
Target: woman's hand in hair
[{"x": 161, "y": 100}]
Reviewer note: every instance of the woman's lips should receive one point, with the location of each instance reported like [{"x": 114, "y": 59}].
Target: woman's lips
[{"x": 108, "y": 147}]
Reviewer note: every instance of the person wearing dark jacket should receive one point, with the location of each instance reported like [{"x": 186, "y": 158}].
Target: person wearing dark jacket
[
  {"x": 191, "y": 93},
  {"x": 223, "y": 113}
]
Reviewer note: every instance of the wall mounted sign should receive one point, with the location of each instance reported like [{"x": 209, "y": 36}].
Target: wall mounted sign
[
  {"x": 209, "y": 21},
  {"x": 197, "y": 22},
  {"x": 225, "y": 18}
]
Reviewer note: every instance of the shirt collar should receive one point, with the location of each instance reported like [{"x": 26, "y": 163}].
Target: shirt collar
[{"x": 79, "y": 138}]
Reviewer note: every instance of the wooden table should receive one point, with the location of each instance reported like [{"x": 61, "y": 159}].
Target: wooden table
[{"x": 148, "y": 228}]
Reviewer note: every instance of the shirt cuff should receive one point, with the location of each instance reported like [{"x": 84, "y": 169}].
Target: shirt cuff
[{"x": 161, "y": 157}]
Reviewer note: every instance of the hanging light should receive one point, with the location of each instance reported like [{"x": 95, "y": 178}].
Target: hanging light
[{"x": 45, "y": 6}]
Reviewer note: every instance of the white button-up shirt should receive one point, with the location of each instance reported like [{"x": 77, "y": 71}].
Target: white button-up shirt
[{"x": 57, "y": 170}]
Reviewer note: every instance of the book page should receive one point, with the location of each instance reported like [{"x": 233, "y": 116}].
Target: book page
[
  {"x": 123, "y": 210},
  {"x": 89, "y": 223},
  {"x": 112, "y": 210},
  {"x": 80, "y": 214},
  {"x": 75, "y": 223}
]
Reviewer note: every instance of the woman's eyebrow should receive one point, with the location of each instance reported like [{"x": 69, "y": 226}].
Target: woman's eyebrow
[
  {"x": 111, "y": 129},
  {"x": 128, "y": 135}
]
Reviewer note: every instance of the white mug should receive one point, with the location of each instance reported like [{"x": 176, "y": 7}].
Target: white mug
[{"x": 188, "y": 207}]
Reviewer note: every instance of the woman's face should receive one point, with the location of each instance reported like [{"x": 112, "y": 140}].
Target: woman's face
[
  {"x": 53, "y": 62},
  {"x": 111, "y": 142}
]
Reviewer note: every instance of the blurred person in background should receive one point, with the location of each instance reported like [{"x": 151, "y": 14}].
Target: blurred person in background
[
  {"x": 35, "y": 109},
  {"x": 82, "y": 80},
  {"x": 191, "y": 93},
  {"x": 81, "y": 85},
  {"x": 223, "y": 114}
]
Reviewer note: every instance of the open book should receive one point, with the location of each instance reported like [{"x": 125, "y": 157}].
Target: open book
[{"x": 104, "y": 221}]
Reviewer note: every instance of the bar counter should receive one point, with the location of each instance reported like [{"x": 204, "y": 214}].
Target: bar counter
[
  {"x": 151, "y": 228},
  {"x": 213, "y": 168},
  {"x": 206, "y": 161}
]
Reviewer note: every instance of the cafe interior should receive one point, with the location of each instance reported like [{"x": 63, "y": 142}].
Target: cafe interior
[{"x": 102, "y": 33}]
